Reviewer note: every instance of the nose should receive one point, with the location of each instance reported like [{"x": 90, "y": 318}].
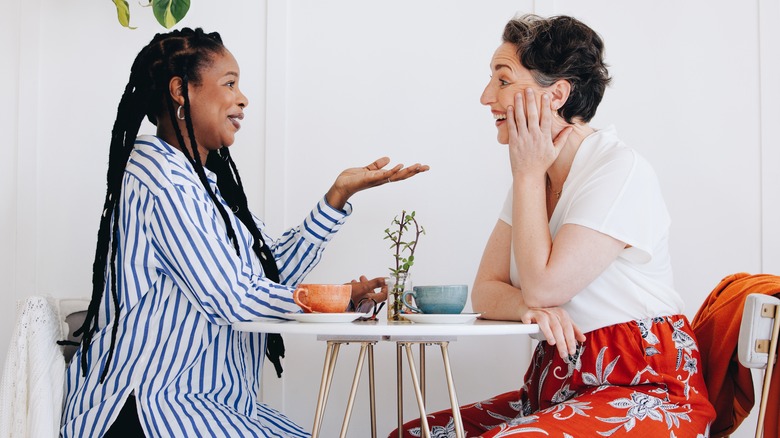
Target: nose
[
  {"x": 243, "y": 101},
  {"x": 488, "y": 95}
]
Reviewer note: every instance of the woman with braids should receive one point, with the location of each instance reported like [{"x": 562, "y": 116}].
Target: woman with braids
[
  {"x": 180, "y": 257},
  {"x": 581, "y": 248}
]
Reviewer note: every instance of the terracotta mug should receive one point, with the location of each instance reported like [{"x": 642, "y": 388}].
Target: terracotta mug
[{"x": 323, "y": 298}]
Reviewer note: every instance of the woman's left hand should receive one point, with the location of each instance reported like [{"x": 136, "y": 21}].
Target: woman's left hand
[
  {"x": 355, "y": 179},
  {"x": 532, "y": 149},
  {"x": 557, "y": 327}
]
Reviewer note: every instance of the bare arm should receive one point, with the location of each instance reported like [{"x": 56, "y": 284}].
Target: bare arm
[
  {"x": 493, "y": 294},
  {"x": 495, "y": 298},
  {"x": 553, "y": 273}
]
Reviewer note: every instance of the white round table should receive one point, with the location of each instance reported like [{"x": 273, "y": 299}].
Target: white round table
[{"x": 367, "y": 333}]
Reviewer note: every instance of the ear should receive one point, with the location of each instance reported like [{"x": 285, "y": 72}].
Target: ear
[
  {"x": 559, "y": 92},
  {"x": 175, "y": 88}
]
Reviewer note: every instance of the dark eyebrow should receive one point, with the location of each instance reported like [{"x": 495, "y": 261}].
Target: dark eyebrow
[
  {"x": 231, "y": 73},
  {"x": 498, "y": 67}
]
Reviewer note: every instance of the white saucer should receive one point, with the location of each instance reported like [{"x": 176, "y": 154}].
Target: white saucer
[
  {"x": 432, "y": 318},
  {"x": 324, "y": 317}
]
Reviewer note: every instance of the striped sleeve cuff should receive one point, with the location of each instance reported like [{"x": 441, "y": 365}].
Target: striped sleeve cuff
[{"x": 324, "y": 221}]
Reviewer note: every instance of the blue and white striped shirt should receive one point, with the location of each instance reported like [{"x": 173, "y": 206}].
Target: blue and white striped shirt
[{"x": 181, "y": 285}]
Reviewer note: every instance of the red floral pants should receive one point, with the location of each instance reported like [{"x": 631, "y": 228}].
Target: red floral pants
[{"x": 641, "y": 378}]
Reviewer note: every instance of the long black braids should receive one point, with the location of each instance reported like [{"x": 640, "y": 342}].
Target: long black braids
[
  {"x": 180, "y": 53},
  {"x": 232, "y": 190},
  {"x": 122, "y": 138}
]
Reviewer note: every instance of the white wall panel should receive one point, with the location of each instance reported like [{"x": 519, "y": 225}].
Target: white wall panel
[
  {"x": 769, "y": 17},
  {"x": 10, "y": 38}
]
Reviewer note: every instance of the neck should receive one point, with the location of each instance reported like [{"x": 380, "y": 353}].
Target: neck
[
  {"x": 559, "y": 170},
  {"x": 166, "y": 132}
]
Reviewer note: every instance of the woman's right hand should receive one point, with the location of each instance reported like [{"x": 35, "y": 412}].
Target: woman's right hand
[{"x": 557, "y": 327}]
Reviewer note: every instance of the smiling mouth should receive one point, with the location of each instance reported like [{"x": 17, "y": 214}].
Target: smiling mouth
[
  {"x": 235, "y": 120},
  {"x": 499, "y": 117}
]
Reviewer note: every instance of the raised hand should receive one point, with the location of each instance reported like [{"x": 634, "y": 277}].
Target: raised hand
[
  {"x": 532, "y": 150},
  {"x": 355, "y": 179}
]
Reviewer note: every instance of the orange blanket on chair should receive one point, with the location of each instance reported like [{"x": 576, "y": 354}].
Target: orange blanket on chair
[{"x": 716, "y": 326}]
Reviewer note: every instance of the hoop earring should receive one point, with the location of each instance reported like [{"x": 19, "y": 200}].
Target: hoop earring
[{"x": 179, "y": 115}]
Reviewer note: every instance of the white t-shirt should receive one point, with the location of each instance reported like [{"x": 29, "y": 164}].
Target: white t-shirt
[{"x": 613, "y": 190}]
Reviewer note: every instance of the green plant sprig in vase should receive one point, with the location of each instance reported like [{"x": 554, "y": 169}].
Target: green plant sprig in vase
[{"x": 404, "y": 259}]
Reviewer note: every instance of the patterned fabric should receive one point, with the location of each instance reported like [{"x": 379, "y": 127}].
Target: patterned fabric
[
  {"x": 641, "y": 378},
  {"x": 181, "y": 285}
]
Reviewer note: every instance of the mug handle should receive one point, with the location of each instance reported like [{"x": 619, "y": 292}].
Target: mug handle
[
  {"x": 407, "y": 303},
  {"x": 301, "y": 297}
]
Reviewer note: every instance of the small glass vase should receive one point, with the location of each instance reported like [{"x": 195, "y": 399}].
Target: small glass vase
[{"x": 397, "y": 284}]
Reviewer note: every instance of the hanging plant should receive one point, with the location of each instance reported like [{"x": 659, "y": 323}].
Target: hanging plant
[{"x": 167, "y": 12}]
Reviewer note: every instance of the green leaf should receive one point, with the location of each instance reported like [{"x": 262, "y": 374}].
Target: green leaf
[
  {"x": 170, "y": 12},
  {"x": 123, "y": 13}
]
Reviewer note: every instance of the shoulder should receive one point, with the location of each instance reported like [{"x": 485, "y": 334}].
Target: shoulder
[{"x": 605, "y": 154}]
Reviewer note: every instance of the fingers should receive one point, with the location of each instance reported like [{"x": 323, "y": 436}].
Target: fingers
[
  {"x": 545, "y": 122},
  {"x": 356, "y": 179},
  {"x": 381, "y": 295},
  {"x": 563, "y": 349},
  {"x": 365, "y": 288},
  {"x": 558, "y": 335},
  {"x": 374, "y": 283},
  {"x": 364, "y": 285},
  {"x": 408, "y": 172},
  {"x": 516, "y": 118},
  {"x": 378, "y": 163},
  {"x": 557, "y": 328},
  {"x": 397, "y": 172},
  {"x": 579, "y": 335},
  {"x": 530, "y": 108},
  {"x": 390, "y": 173}
]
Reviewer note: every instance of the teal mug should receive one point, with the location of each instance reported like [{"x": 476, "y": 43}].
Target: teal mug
[{"x": 439, "y": 299}]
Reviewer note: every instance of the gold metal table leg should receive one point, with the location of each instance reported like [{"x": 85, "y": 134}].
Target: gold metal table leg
[
  {"x": 451, "y": 387},
  {"x": 331, "y": 354},
  {"x": 426, "y": 432},
  {"x": 422, "y": 371},
  {"x": 399, "y": 381},
  {"x": 353, "y": 390},
  {"x": 371, "y": 388}
]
